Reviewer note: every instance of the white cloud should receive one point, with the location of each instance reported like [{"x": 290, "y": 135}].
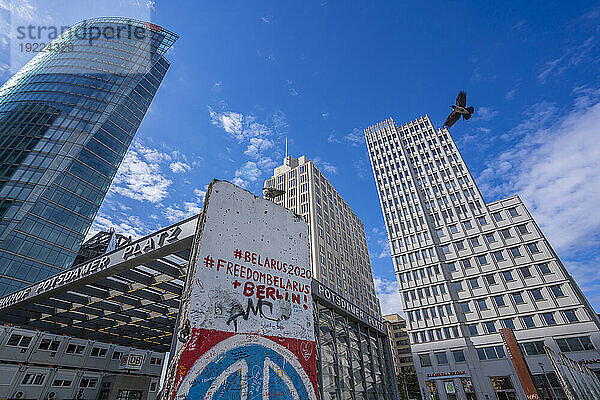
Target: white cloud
[
  {"x": 265, "y": 19},
  {"x": 129, "y": 226},
  {"x": 325, "y": 116},
  {"x": 258, "y": 139},
  {"x": 510, "y": 94},
  {"x": 179, "y": 167},
  {"x": 379, "y": 244},
  {"x": 176, "y": 212},
  {"x": 140, "y": 177},
  {"x": 486, "y": 113},
  {"x": 257, "y": 146},
  {"x": 555, "y": 168},
  {"x": 218, "y": 85},
  {"x": 354, "y": 138},
  {"x": 389, "y": 296},
  {"x": 325, "y": 166},
  {"x": 293, "y": 92},
  {"x": 248, "y": 173},
  {"x": 573, "y": 55},
  {"x": 230, "y": 121}
]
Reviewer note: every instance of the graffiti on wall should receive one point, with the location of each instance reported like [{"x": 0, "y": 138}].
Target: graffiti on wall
[{"x": 250, "y": 305}]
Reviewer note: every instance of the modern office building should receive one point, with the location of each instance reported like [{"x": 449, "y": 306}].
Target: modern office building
[
  {"x": 400, "y": 344},
  {"x": 339, "y": 253},
  {"x": 467, "y": 268},
  {"x": 70, "y": 331},
  {"x": 66, "y": 120}
]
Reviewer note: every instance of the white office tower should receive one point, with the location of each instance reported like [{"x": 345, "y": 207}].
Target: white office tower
[
  {"x": 467, "y": 269},
  {"x": 339, "y": 253}
]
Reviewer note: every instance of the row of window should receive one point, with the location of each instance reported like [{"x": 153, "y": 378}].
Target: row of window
[
  {"x": 23, "y": 341},
  {"x": 580, "y": 343},
  {"x": 527, "y": 322}
]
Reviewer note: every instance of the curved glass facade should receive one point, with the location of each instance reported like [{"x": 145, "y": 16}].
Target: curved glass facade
[{"x": 66, "y": 120}]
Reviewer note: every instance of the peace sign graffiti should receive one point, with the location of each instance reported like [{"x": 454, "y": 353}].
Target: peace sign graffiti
[{"x": 247, "y": 367}]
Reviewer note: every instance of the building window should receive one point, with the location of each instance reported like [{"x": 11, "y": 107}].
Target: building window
[
  {"x": 578, "y": 343},
  {"x": 117, "y": 355},
  {"x": 544, "y": 269},
  {"x": 19, "y": 341},
  {"x": 439, "y": 232},
  {"x": 155, "y": 361},
  {"x": 508, "y": 323},
  {"x": 533, "y": 348},
  {"x": 499, "y": 301},
  {"x": 474, "y": 242},
  {"x": 460, "y": 245},
  {"x": 62, "y": 383},
  {"x": 458, "y": 286},
  {"x": 451, "y": 267},
  {"x": 98, "y": 352},
  {"x": 482, "y": 305},
  {"x": 518, "y": 298},
  {"x": 571, "y": 316},
  {"x": 505, "y": 233},
  {"x": 490, "y": 238},
  {"x": 482, "y": 259},
  {"x": 557, "y": 291},
  {"x": 533, "y": 248},
  {"x": 474, "y": 283},
  {"x": 537, "y": 294},
  {"x": 498, "y": 256},
  {"x": 453, "y": 228},
  {"x": 425, "y": 360},
  {"x": 515, "y": 252},
  {"x": 50, "y": 345},
  {"x": 458, "y": 355},
  {"x": 472, "y": 330},
  {"x": 468, "y": 224},
  {"x": 490, "y": 327},
  {"x": 522, "y": 229},
  {"x": 441, "y": 358},
  {"x": 465, "y": 307},
  {"x": 33, "y": 379},
  {"x": 513, "y": 212},
  {"x": 466, "y": 263},
  {"x": 482, "y": 221},
  {"x": 525, "y": 272},
  {"x": 507, "y": 275},
  {"x": 490, "y": 353},
  {"x": 549, "y": 318},
  {"x": 75, "y": 349},
  {"x": 490, "y": 279},
  {"x": 497, "y": 216},
  {"x": 88, "y": 382},
  {"x": 528, "y": 322},
  {"x": 446, "y": 249}
]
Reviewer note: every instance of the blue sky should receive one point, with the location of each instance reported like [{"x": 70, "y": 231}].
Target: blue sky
[{"x": 245, "y": 75}]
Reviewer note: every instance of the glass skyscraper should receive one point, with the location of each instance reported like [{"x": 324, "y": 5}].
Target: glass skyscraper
[{"x": 66, "y": 120}]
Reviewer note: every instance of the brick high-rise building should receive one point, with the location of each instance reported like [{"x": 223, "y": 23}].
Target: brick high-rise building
[
  {"x": 339, "y": 253},
  {"x": 467, "y": 269}
]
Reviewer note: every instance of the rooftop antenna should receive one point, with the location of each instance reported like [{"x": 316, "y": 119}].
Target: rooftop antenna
[{"x": 286, "y": 153}]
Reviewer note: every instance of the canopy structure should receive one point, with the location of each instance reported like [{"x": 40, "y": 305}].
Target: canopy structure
[{"x": 129, "y": 296}]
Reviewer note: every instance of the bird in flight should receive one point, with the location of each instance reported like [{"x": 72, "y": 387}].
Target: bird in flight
[{"x": 459, "y": 109}]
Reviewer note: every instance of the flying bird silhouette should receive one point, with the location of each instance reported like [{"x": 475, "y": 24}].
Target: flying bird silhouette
[{"x": 459, "y": 109}]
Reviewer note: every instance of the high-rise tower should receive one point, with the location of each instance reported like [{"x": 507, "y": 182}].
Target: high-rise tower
[
  {"x": 66, "y": 120},
  {"x": 467, "y": 269},
  {"x": 339, "y": 252}
]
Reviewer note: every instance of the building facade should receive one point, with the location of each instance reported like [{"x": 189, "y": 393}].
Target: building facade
[
  {"x": 400, "y": 343},
  {"x": 41, "y": 365},
  {"x": 339, "y": 253},
  {"x": 66, "y": 120},
  {"x": 467, "y": 269}
]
